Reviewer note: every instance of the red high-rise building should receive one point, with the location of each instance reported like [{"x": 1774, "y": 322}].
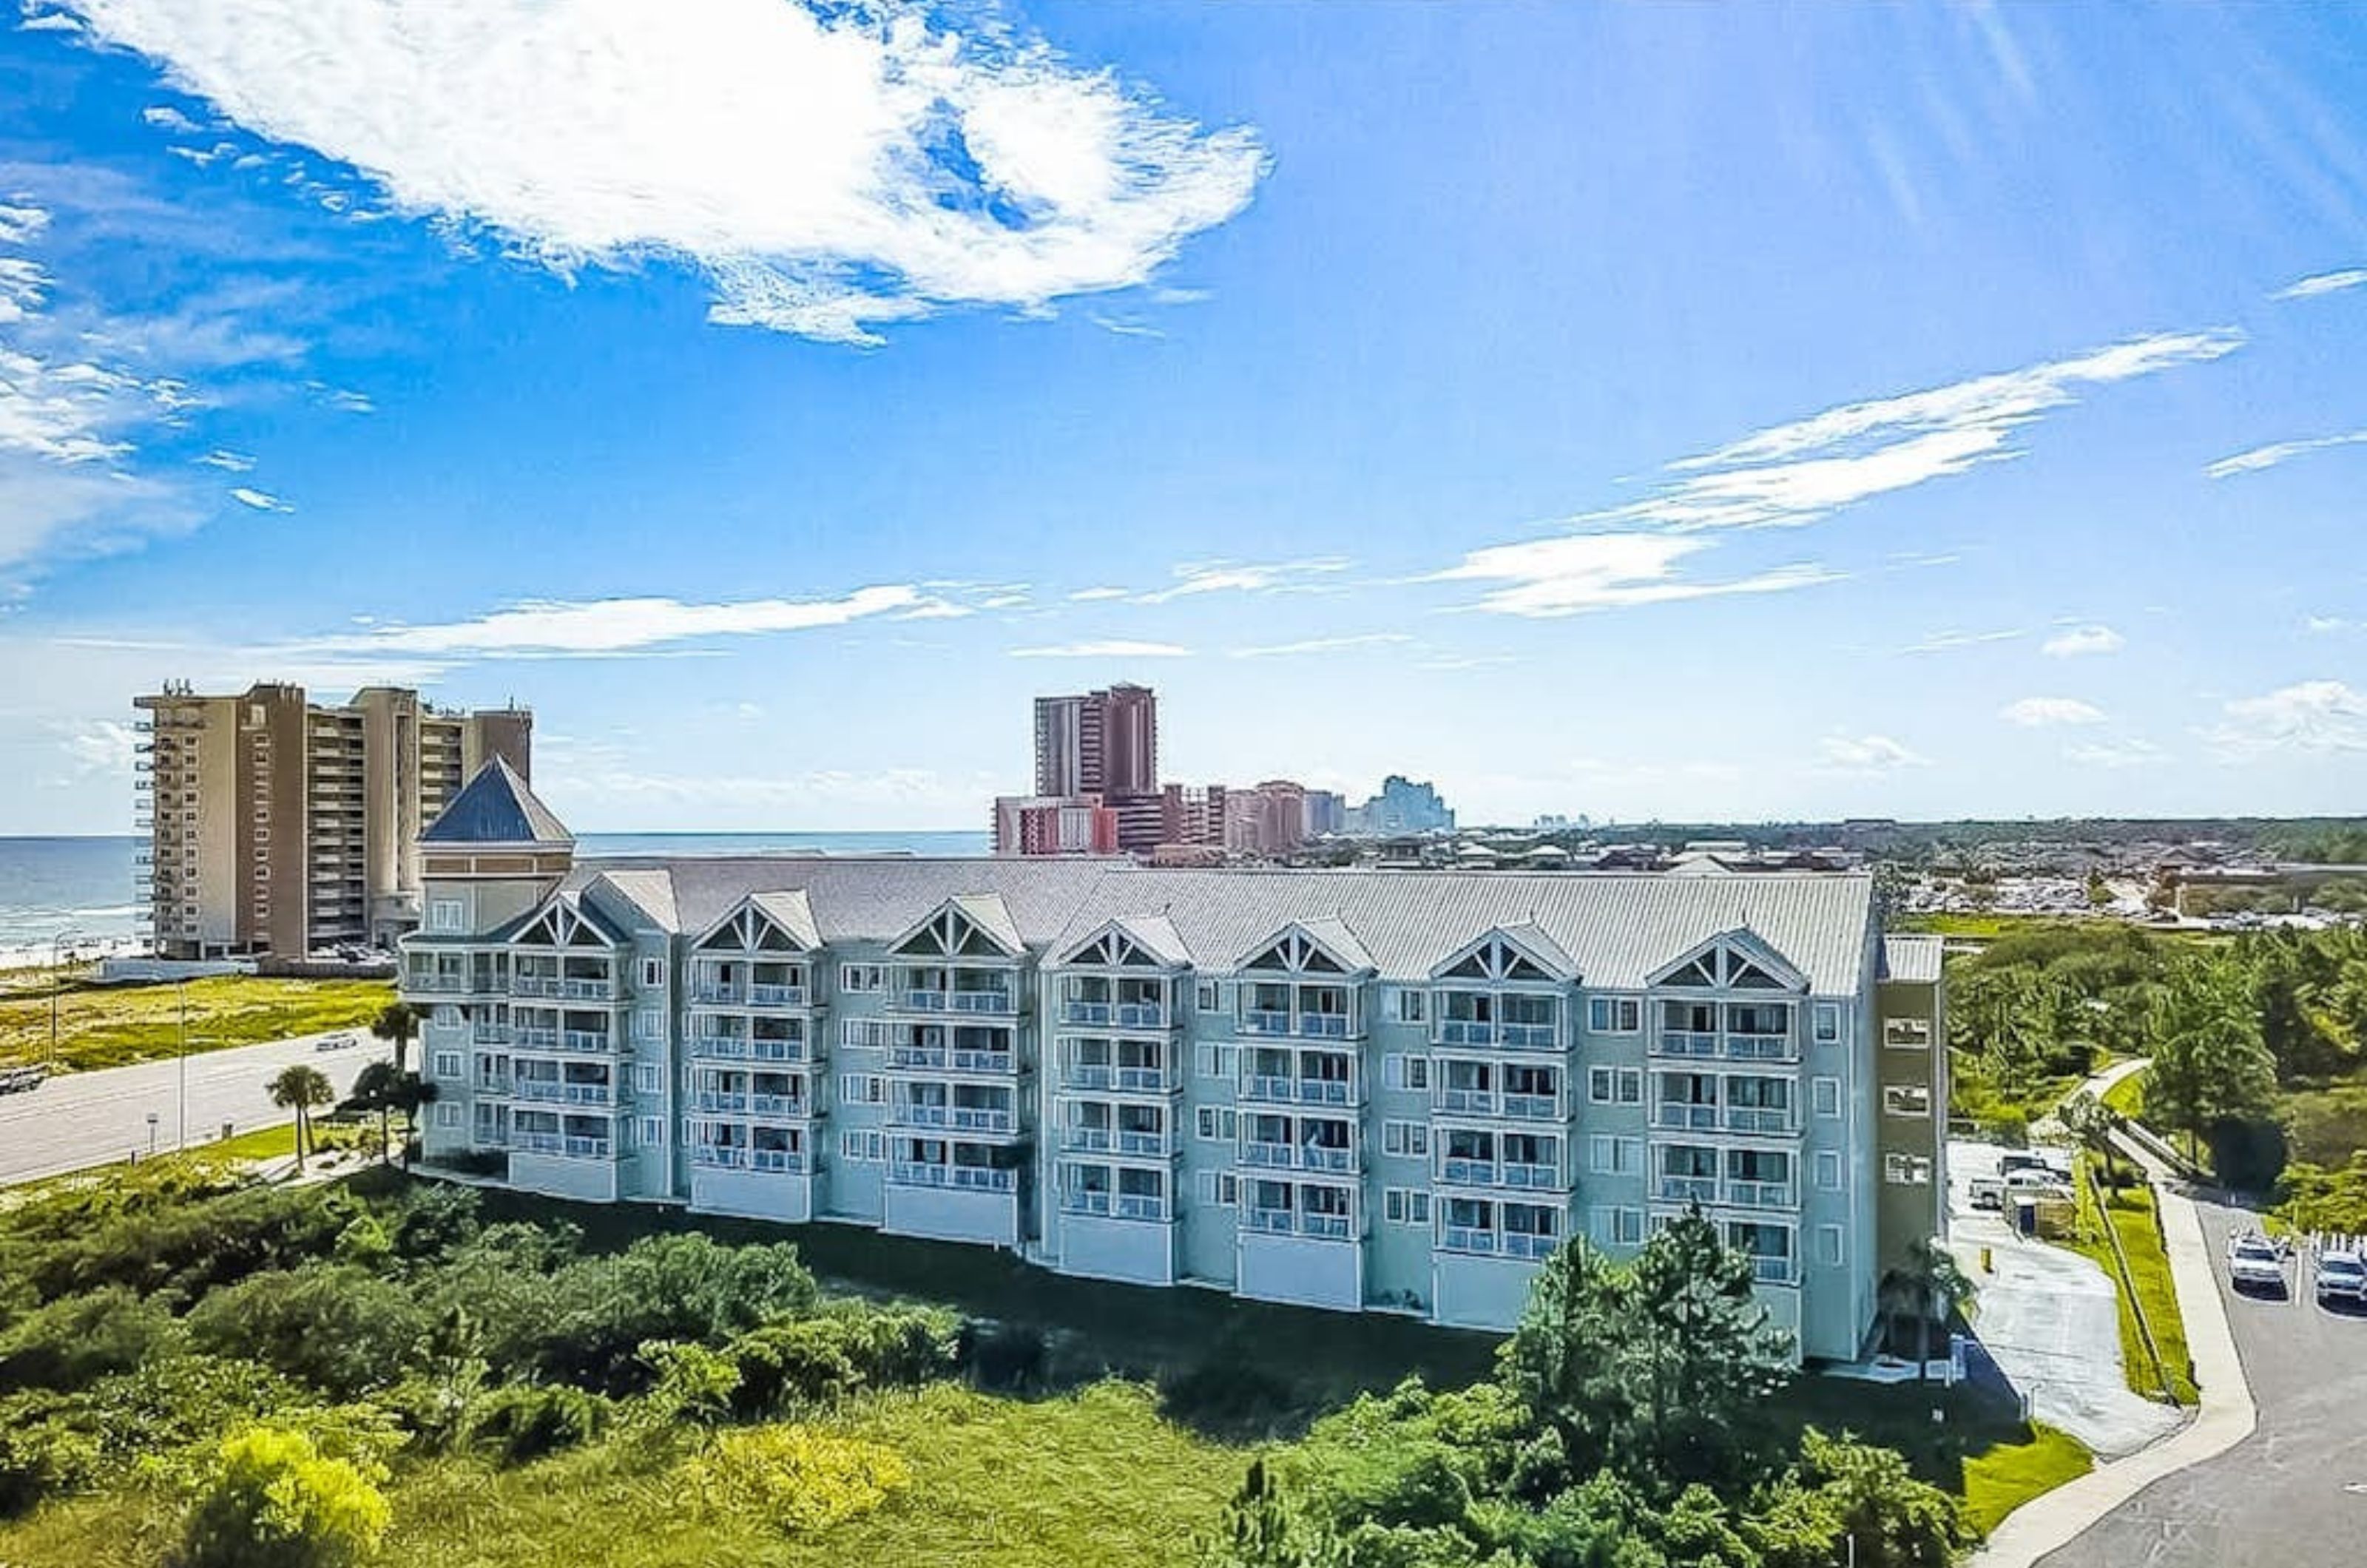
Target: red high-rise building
[{"x": 1104, "y": 743}]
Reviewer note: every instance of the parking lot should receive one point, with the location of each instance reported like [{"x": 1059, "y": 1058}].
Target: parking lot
[
  {"x": 2294, "y": 1494},
  {"x": 2049, "y": 1320}
]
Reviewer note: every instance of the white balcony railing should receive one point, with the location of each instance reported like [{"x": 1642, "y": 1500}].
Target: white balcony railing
[
  {"x": 1259, "y": 1021},
  {"x": 1771, "y": 1270},
  {"x": 1686, "y": 1043},
  {"x": 1521, "y": 1244},
  {"x": 1467, "y": 1101},
  {"x": 1467, "y": 1172},
  {"x": 535, "y": 985},
  {"x": 587, "y": 990},
  {"x": 1533, "y": 1107},
  {"x": 789, "y": 1161},
  {"x": 778, "y": 996},
  {"x": 723, "y": 1047},
  {"x": 717, "y": 1104},
  {"x": 591, "y": 1042},
  {"x": 1760, "y": 1194},
  {"x": 1467, "y": 1238},
  {"x": 1757, "y": 1118},
  {"x": 1679, "y": 1114},
  {"x": 718, "y": 1155},
  {"x": 1688, "y": 1189},
  {"x": 1542, "y": 1178},
  {"x": 787, "y": 1105},
  {"x": 1759, "y": 1047},
  {"x": 972, "y": 1178}
]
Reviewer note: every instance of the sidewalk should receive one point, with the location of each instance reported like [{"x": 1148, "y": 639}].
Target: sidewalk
[{"x": 2227, "y": 1416}]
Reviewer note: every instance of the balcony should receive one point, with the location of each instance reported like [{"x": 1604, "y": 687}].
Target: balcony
[
  {"x": 588, "y": 1042},
  {"x": 1685, "y": 1043},
  {"x": 1299, "y": 1091},
  {"x": 985, "y": 999},
  {"x": 778, "y": 996},
  {"x": 1771, "y": 1270},
  {"x": 1687, "y": 1188},
  {"x": 1536, "y": 1177},
  {"x": 1323, "y": 1025},
  {"x": 1533, "y": 1107},
  {"x": 1760, "y": 1195},
  {"x": 1468, "y": 1238},
  {"x": 1466, "y": 1032},
  {"x": 1684, "y": 1116},
  {"x": 489, "y": 1034},
  {"x": 553, "y": 1090},
  {"x": 1002, "y": 1063},
  {"x": 535, "y": 985},
  {"x": 1758, "y": 1047},
  {"x": 784, "y": 1161},
  {"x": 1087, "y": 1140},
  {"x": 1467, "y": 1172},
  {"x": 793, "y": 1108},
  {"x": 1467, "y": 1101},
  {"x": 719, "y": 1104},
  {"x": 718, "y": 1157},
  {"x": 762, "y": 1048},
  {"x": 554, "y": 1144},
  {"x": 528, "y": 1039},
  {"x": 1118, "y": 1015},
  {"x": 964, "y": 1118},
  {"x": 971, "y": 1177},
  {"x": 717, "y": 995},
  {"x": 1144, "y": 1146},
  {"x": 1757, "y": 1118},
  {"x": 587, "y": 990},
  {"x": 1255, "y": 1022},
  {"x": 1520, "y": 1244}
]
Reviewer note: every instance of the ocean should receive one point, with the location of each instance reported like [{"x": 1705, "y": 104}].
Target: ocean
[{"x": 50, "y": 888}]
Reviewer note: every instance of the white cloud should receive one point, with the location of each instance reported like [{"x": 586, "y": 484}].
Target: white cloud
[
  {"x": 229, "y": 462},
  {"x": 2080, "y": 641},
  {"x": 2327, "y": 626},
  {"x": 47, "y": 22},
  {"x": 1867, "y": 754},
  {"x": 2307, "y": 717},
  {"x": 2046, "y": 713},
  {"x": 827, "y": 168},
  {"x": 261, "y": 500},
  {"x": 1085, "y": 594},
  {"x": 1116, "y": 647},
  {"x": 2277, "y": 452},
  {"x": 2323, "y": 282},
  {"x": 2127, "y": 754},
  {"x": 1798, "y": 472},
  {"x": 1322, "y": 645},
  {"x": 101, "y": 747},
  {"x": 1237, "y": 577},
  {"x": 1940, "y": 642},
  {"x": 165, "y": 117},
  {"x": 547, "y": 629},
  {"x": 1577, "y": 573}
]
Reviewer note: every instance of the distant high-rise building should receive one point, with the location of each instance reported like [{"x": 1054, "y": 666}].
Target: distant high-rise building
[
  {"x": 1104, "y": 743},
  {"x": 1281, "y": 818},
  {"x": 279, "y": 826},
  {"x": 1054, "y": 825},
  {"x": 1402, "y": 807},
  {"x": 1327, "y": 814}
]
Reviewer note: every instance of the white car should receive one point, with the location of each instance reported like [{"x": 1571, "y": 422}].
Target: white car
[
  {"x": 337, "y": 1043},
  {"x": 2254, "y": 1263},
  {"x": 2341, "y": 1277}
]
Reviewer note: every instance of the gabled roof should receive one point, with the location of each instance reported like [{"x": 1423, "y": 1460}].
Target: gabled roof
[
  {"x": 1329, "y": 932},
  {"x": 789, "y": 911},
  {"x": 496, "y": 808},
  {"x": 651, "y": 892},
  {"x": 567, "y": 910},
  {"x": 984, "y": 913},
  {"x": 1912, "y": 960},
  {"x": 1155, "y": 936},
  {"x": 1751, "y": 947},
  {"x": 1526, "y": 938}
]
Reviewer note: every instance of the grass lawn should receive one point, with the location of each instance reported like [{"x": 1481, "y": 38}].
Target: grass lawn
[
  {"x": 2127, "y": 1096},
  {"x": 1982, "y": 1452},
  {"x": 2003, "y": 1477},
  {"x": 112, "y": 1025},
  {"x": 2131, "y": 1216},
  {"x": 1090, "y": 1480}
]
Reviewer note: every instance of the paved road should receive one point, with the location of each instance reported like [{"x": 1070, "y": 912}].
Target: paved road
[
  {"x": 2294, "y": 1494},
  {"x": 2050, "y": 1320},
  {"x": 85, "y": 1119}
]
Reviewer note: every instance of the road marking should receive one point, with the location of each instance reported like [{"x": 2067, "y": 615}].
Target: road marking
[{"x": 2359, "y": 1487}]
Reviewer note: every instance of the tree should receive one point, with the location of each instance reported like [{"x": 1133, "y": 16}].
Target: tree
[
  {"x": 398, "y": 1024},
  {"x": 2093, "y": 1123},
  {"x": 2209, "y": 1066},
  {"x": 1659, "y": 1368},
  {"x": 274, "y": 1501},
  {"x": 377, "y": 1087},
  {"x": 1928, "y": 1287},
  {"x": 301, "y": 1089},
  {"x": 1263, "y": 1529}
]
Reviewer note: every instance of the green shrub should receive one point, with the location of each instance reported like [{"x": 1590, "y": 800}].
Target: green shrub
[
  {"x": 274, "y": 1501},
  {"x": 334, "y": 1327},
  {"x": 817, "y": 1360},
  {"x": 78, "y": 1340},
  {"x": 525, "y": 1421},
  {"x": 39, "y": 1458},
  {"x": 795, "y": 1477}
]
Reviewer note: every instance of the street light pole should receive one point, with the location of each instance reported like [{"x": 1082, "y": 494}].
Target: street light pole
[{"x": 183, "y": 1056}]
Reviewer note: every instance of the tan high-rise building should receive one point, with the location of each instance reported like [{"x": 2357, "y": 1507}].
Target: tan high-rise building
[
  {"x": 276, "y": 825},
  {"x": 1102, "y": 743}
]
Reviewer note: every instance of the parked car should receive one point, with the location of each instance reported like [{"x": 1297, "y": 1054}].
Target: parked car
[
  {"x": 18, "y": 1080},
  {"x": 1989, "y": 1192},
  {"x": 345, "y": 1041},
  {"x": 2341, "y": 1277},
  {"x": 2255, "y": 1263}
]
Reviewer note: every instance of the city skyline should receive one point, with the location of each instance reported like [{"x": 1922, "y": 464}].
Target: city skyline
[{"x": 1916, "y": 414}]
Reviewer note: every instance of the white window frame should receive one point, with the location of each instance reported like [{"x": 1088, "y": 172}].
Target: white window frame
[
  {"x": 449, "y": 1066},
  {"x": 448, "y": 1115},
  {"x": 1406, "y": 1206},
  {"x": 862, "y": 1145},
  {"x": 862, "y": 978},
  {"x": 1405, "y": 1139},
  {"x": 649, "y": 1023},
  {"x": 653, "y": 974},
  {"x": 1602, "y": 1084},
  {"x": 1215, "y": 1061},
  {"x": 1906, "y": 1170},
  {"x": 447, "y": 915},
  {"x": 1824, "y": 1022},
  {"x": 1219, "y": 1189},
  {"x": 1614, "y": 1015},
  {"x": 1825, "y": 1097},
  {"x": 862, "y": 1089},
  {"x": 653, "y": 1132},
  {"x": 646, "y": 1079},
  {"x": 1216, "y": 1124},
  {"x": 1896, "y": 1098},
  {"x": 866, "y": 1033},
  {"x": 1829, "y": 1170},
  {"x": 1607, "y": 1156},
  {"x": 1413, "y": 1004},
  {"x": 1829, "y": 1251},
  {"x": 1406, "y": 1071}
]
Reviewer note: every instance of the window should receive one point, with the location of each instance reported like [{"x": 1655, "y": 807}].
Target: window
[
  {"x": 1829, "y": 1170},
  {"x": 445, "y": 1016},
  {"x": 1220, "y": 1189},
  {"x": 649, "y": 1023},
  {"x": 1614, "y": 1157},
  {"x": 1615, "y": 1086},
  {"x": 1216, "y": 1124},
  {"x": 866, "y": 1033},
  {"x": 1829, "y": 1245},
  {"x": 1906, "y": 1033},
  {"x": 1402, "y": 1071},
  {"x": 862, "y": 1148},
  {"x": 645, "y": 1077},
  {"x": 1907, "y": 1100},
  {"x": 1618, "y": 1227},
  {"x": 1405, "y": 1206},
  {"x": 447, "y": 915},
  {"x": 1906, "y": 1170},
  {"x": 447, "y": 1065},
  {"x": 1219, "y": 1062},
  {"x": 447, "y": 1116},
  {"x": 653, "y": 974},
  {"x": 1827, "y": 1023},
  {"x": 1825, "y": 1096},
  {"x": 862, "y": 978},
  {"x": 862, "y": 1089},
  {"x": 1209, "y": 997},
  {"x": 1407, "y": 1140},
  {"x": 652, "y": 1132},
  {"x": 1614, "y": 1015},
  {"x": 1412, "y": 1005}
]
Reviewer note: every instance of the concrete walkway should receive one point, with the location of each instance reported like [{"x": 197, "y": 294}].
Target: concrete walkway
[{"x": 2227, "y": 1416}]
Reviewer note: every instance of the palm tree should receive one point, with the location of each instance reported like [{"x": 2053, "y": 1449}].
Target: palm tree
[
  {"x": 300, "y": 1088},
  {"x": 1929, "y": 1287},
  {"x": 377, "y": 1087},
  {"x": 398, "y": 1023}
]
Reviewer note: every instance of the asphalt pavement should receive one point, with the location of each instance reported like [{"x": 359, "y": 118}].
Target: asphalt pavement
[
  {"x": 77, "y": 1120},
  {"x": 2294, "y": 1494}
]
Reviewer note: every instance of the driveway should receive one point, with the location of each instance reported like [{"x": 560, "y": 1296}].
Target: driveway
[
  {"x": 2294, "y": 1494},
  {"x": 85, "y": 1119},
  {"x": 2049, "y": 1320}
]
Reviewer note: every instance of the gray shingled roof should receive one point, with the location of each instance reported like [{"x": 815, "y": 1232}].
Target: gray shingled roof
[
  {"x": 496, "y": 808},
  {"x": 1615, "y": 927}
]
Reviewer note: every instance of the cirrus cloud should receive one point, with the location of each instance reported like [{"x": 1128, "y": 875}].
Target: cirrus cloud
[
  {"x": 2047, "y": 713},
  {"x": 1867, "y": 754},
  {"x": 1574, "y": 573},
  {"x": 1112, "y": 648},
  {"x": 2083, "y": 641},
  {"x": 827, "y": 168}
]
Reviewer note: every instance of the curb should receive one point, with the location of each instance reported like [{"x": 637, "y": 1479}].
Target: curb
[{"x": 2226, "y": 1418}]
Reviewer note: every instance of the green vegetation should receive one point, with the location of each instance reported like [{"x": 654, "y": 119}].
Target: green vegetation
[
  {"x": 2126, "y": 1098},
  {"x": 109, "y": 1026},
  {"x": 2114, "y": 1203},
  {"x": 2007, "y": 1475},
  {"x": 196, "y": 1369}
]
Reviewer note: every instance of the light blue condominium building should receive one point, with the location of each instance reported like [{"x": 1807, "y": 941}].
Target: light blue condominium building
[{"x": 1384, "y": 1091}]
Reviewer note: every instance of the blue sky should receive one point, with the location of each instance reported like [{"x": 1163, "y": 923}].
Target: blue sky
[{"x": 1738, "y": 412}]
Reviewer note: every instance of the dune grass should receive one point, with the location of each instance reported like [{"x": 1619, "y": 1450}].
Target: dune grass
[{"x": 110, "y": 1026}]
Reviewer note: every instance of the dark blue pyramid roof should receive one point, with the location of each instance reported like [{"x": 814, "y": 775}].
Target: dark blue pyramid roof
[{"x": 496, "y": 808}]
